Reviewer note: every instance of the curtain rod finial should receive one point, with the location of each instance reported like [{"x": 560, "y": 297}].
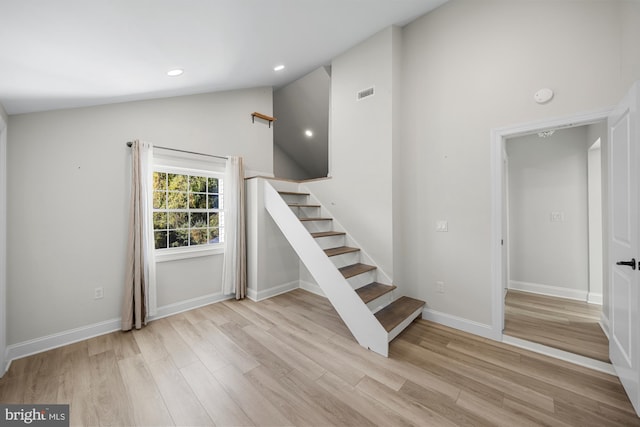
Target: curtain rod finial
[{"x": 129, "y": 144}]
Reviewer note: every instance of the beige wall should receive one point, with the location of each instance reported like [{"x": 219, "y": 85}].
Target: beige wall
[
  {"x": 68, "y": 176},
  {"x": 469, "y": 67}
]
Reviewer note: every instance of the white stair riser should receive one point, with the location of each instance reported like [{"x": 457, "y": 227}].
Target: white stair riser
[
  {"x": 330, "y": 242},
  {"x": 362, "y": 279},
  {"x": 317, "y": 226},
  {"x": 294, "y": 198},
  {"x": 402, "y": 326},
  {"x": 345, "y": 259},
  {"x": 306, "y": 212},
  {"x": 381, "y": 302}
]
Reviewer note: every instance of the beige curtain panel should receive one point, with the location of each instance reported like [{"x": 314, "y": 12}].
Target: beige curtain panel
[
  {"x": 134, "y": 308},
  {"x": 234, "y": 275}
]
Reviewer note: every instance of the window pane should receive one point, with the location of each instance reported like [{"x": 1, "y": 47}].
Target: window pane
[
  {"x": 214, "y": 235},
  {"x": 197, "y": 201},
  {"x": 160, "y": 238},
  {"x": 159, "y": 180},
  {"x": 198, "y": 219},
  {"x": 178, "y": 220},
  {"x": 159, "y": 200},
  {"x": 178, "y": 238},
  {"x": 198, "y": 236},
  {"x": 198, "y": 184},
  {"x": 177, "y": 182},
  {"x": 159, "y": 220},
  {"x": 213, "y": 202},
  {"x": 213, "y": 185},
  {"x": 213, "y": 219},
  {"x": 177, "y": 200}
]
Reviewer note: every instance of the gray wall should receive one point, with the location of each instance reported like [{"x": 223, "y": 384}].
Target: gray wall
[
  {"x": 359, "y": 193},
  {"x": 469, "y": 67},
  {"x": 68, "y": 178},
  {"x": 286, "y": 167},
  {"x": 298, "y": 106},
  {"x": 549, "y": 175},
  {"x": 3, "y": 238}
]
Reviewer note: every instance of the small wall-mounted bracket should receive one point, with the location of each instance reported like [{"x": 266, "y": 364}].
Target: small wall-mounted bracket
[{"x": 263, "y": 117}]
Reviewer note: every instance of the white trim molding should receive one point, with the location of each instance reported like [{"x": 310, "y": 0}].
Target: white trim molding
[
  {"x": 256, "y": 296},
  {"x": 498, "y": 136},
  {"x": 4, "y": 360},
  {"x": 49, "y": 342},
  {"x": 466, "y": 325},
  {"x": 576, "y": 359},
  {"x": 190, "y": 304},
  {"x": 594, "y": 298},
  {"x": 312, "y": 287},
  {"x": 604, "y": 324},
  {"x": 553, "y": 291}
]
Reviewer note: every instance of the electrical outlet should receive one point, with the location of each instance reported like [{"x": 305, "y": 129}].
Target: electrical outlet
[
  {"x": 98, "y": 293},
  {"x": 440, "y": 287},
  {"x": 442, "y": 226}
]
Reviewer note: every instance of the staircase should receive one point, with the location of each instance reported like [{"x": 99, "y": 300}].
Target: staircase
[{"x": 367, "y": 305}]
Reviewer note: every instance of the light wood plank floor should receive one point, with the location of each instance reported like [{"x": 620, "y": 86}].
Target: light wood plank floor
[
  {"x": 291, "y": 361},
  {"x": 560, "y": 323}
]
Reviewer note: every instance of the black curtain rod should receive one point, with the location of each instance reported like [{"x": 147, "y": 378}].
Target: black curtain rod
[{"x": 129, "y": 144}]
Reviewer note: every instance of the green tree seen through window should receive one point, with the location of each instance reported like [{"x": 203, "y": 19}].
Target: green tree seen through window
[{"x": 187, "y": 210}]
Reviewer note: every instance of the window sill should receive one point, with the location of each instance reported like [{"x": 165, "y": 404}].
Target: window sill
[{"x": 178, "y": 254}]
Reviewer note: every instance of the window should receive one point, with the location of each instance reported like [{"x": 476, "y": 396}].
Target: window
[{"x": 187, "y": 209}]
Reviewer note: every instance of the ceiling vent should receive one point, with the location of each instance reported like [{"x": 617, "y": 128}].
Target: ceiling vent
[{"x": 365, "y": 93}]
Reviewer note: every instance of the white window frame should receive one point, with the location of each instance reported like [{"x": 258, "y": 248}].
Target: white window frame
[{"x": 186, "y": 252}]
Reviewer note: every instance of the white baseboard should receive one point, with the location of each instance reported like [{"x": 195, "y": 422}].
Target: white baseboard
[
  {"x": 254, "y": 295},
  {"x": 553, "y": 291},
  {"x": 190, "y": 304},
  {"x": 594, "y": 298},
  {"x": 604, "y": 324},
  {"x": 466, "y": 325},
  {"x": 312, "y": 287},
  {"x": 597, "y": 365},
  {"x": 38, "y": 345},
  {"x": 49, "y": 342}
]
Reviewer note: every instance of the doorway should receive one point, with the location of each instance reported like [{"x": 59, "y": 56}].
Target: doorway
[
  {"x": 554, "y": 216},
  {"x": 523, "y": 275}
]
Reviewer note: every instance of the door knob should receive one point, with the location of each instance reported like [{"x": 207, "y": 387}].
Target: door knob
[{"x": 631, "y": 263}]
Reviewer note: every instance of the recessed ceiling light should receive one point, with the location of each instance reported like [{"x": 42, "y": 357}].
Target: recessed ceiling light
[
  {"x": 278, "y": 67},
  {"x": 308, "y": 133},
  {"x": 175, "y": 73}
]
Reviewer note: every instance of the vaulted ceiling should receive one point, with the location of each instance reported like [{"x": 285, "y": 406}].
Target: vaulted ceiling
[{"x": 73, "y": 53}]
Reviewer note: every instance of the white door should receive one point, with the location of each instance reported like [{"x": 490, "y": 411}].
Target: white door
[{"x": 624, "y": 190}]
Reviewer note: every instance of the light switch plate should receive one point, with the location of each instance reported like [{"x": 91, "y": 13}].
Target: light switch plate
[{"x": 557, "y": 216}]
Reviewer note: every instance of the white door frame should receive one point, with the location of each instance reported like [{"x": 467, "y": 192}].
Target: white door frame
[
  {"x": 498, "y": 137},
  {"x": 3, "y": 247}
]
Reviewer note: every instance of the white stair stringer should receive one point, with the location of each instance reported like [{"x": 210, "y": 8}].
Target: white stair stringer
[{"x": 362, "y": 323}]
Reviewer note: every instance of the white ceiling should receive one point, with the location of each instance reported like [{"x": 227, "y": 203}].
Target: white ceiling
[{"x": 72, "y": 53}]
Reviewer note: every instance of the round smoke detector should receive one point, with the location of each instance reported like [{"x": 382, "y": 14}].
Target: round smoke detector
[{"x": 543, "y": 96}]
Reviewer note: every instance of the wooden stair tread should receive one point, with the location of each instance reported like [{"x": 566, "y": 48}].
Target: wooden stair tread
[
  {"x": 396, "y": 312},
  {"x": 327, "y": 234},
  {"x": 373, "y": 290},
  {"x": 293, "y": 193},
  {"x": 315, "y": 219},
  {"x": 340, "y": 250},
  {"x": 301, "y": 205},
  {"x": 355, "y": 269}
]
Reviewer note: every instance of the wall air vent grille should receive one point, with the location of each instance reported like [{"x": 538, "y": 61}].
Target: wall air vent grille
[{"x": 366, "y": 93}]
